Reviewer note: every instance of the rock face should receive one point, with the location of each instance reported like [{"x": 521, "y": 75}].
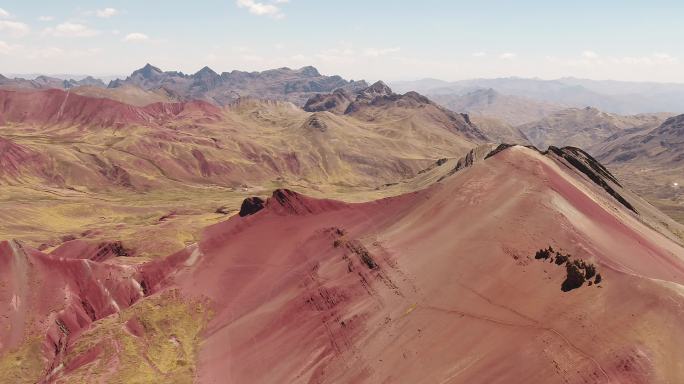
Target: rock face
[
  {"x": 296, "y": 85},
  {"x": 577, "y": 271},
  {"x": 250, "y": 206},
  {"x": 337, "y": 102}
]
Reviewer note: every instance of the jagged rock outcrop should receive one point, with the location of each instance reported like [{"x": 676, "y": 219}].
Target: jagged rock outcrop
[
  {"x": 251, "y": 205},
  {"x": 336, "y": 102}
]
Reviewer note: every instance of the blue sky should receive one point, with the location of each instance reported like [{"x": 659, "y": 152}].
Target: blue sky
[{"x": 391, "y": 40}]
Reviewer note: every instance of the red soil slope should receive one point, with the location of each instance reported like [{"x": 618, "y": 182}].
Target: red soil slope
[
  {"x": 54, "y": 106},
  {"x": 441, "y": 286},
  {"x": 57, "y": 297},
  {"x": 436, "y": 286}
]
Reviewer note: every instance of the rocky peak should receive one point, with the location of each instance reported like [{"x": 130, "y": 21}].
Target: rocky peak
[
  {"x": 206, "y": 72},
  {"x": 309, "y": 71},
  {"x": 378, "y": 88},
  {"x": 148, "y": 71}
]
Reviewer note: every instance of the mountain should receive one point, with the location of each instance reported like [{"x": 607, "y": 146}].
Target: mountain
[
  {"x": 128, "y": 94},
  {"x": 185, "y": 160},
  {"x": 47, "y": 82},
  {"x": 379, "y": 103},
  {"x": 489, "y": 103},
  {"x": 285, "y": 84},
  {"x": 662, "y": 145},
  {"x": 519, "y": 263},
  {"x": 626, "y": 98},
  {"x": 583, "y": 127},
  {"x": 499, "y": 131},
  {"x": 60, "y": 108},
  {"x": 651, "y": 161}
]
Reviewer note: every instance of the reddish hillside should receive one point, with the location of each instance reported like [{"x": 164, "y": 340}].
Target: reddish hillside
[
  {"x": 54, "y": 106},
  {"x": 439, "y": 286},
  {"x": 521, "y": 264}
]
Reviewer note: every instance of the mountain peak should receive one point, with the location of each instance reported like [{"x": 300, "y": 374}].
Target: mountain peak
[
  {"x": 148, "y": 71},
  {"x": 206, "y": 71},
  {"x": 309, "y": 71},
  {"x": 378, "y": 88}
]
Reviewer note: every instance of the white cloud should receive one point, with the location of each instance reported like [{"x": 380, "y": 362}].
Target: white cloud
[
  {"x": 374, "y": 52},
  {"x": 5, "y": 48},
  {"x": 46, "y": 53},
  {"x": 45, "y": 18},
  {"x": 479, "y": 54},
  {"x": 4, "y": 13},
  {"x": 70, "y": 29},
  {"x": 42, "y": 53},
  {"x": 14, "y": 28},
  {"x": 262, "y": 9},
  {"x": 106, "y": 13},
  {"x": 507, "y": 55},
  {"x": 136, "y": 37},
  {"x": 590, "y": 54}
]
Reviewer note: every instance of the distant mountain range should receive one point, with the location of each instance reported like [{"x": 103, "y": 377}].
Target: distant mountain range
[
  {"x": 514, "y": 100},
  {"x": 514, "y": 110},
  {"x": 46, "y": 82},
  {"x": 584, "y": 127},
  {"x": 611, "y": 96},
  {"x": 294, "y": 85}
]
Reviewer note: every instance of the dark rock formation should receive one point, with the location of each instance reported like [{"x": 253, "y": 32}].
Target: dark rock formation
[
  {"x": 578, "y": 271},
  {"x": 596, "y": 172},
  {"x": 250, "y": 206},
  {"x": 498, "y": 149},
  {"x": 574, "y": 279}
]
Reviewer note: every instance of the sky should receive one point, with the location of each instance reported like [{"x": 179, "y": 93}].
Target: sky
[{"x": 636, "y": 40}]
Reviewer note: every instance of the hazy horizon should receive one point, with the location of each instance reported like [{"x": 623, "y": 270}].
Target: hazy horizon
[{"x": 106, "y": 76}]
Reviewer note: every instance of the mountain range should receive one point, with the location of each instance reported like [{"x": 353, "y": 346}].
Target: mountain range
[
  {"x": 625, "y": 98},
  {"x": 296, "y": 86}
]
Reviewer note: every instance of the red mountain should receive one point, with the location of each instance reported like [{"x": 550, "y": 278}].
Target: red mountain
[{"x": 519, "y": 265}]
